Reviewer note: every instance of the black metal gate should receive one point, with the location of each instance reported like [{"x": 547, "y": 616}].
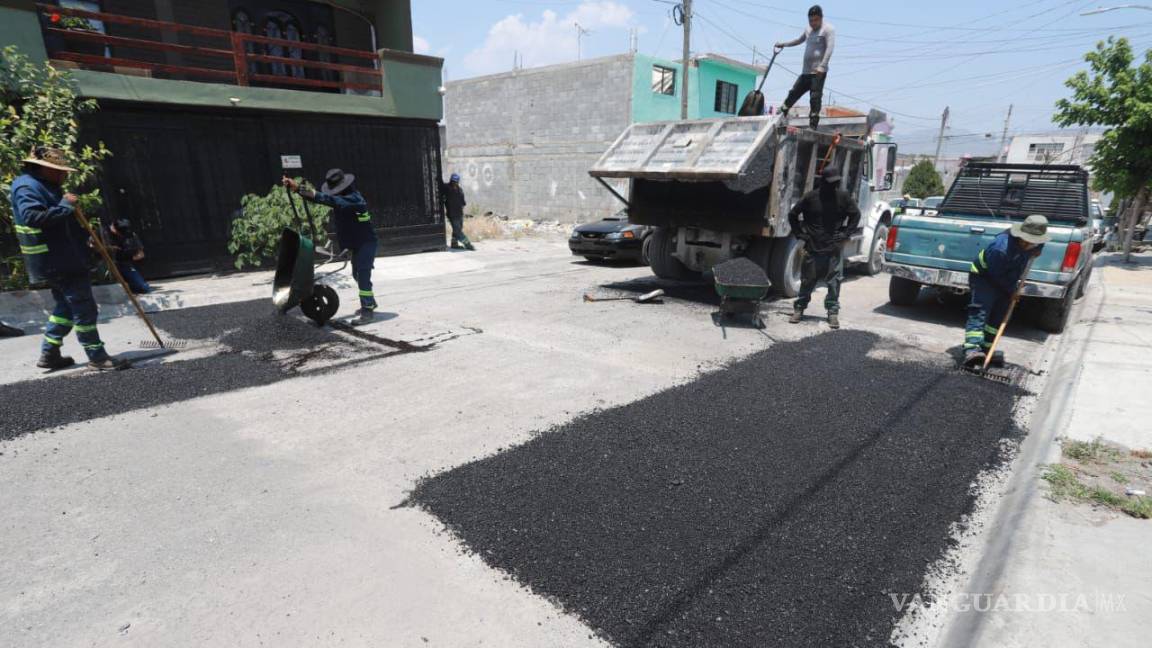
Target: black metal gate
[{"x": 179, "y": 174}]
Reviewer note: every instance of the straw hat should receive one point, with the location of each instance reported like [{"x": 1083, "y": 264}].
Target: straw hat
[
  {"x": 49, "y": 157},
  {"x": 336, "y": 181},
  {"x": 1034, "y": 229}
]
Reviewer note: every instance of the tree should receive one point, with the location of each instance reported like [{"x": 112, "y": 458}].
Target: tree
[
  {"x": 1116, "y": 95},
  {"x": 923, "y": 181},
  {"x": 39, "y": 105},
  {"x": 256, "y": 231}
]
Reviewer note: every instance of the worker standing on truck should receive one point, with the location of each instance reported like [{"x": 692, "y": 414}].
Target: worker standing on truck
[
  {"x": 55, "y": 248},
  {"x": 820, "y": 39},
  {"x": 823, "y": 219},
  {"x": 993, "y": 277},
  {"x": 453, "y": 196},
  {"x": 354, "y": 231}
]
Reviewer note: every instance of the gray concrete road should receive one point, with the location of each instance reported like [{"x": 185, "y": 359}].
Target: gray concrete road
[{"x": 265, "y": 515}]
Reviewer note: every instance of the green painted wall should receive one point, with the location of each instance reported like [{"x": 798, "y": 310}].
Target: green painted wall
[
  {"x": 412, "y": 86},
  {"x": 648, "y": 106},
  {"x": 19, "y": 27}
]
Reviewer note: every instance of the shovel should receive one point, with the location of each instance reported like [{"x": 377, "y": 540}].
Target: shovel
[
  {"x": 753, "y": 105},
  {"x": 646, "y": 298}
]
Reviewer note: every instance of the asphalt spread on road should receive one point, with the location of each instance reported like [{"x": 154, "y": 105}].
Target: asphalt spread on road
[
  {"x": 777, "y": 502},
  {"x": 259, "y": 347}
]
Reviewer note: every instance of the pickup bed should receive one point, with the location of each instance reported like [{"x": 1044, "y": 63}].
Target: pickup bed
[{"x": 985, "y": 199}]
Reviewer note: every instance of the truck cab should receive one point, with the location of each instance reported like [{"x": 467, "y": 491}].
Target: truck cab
[
  {"x": 985, "y": 200},
  {"x": 716, "y": 189}
]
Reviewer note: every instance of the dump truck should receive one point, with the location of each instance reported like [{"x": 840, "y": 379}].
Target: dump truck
[
  {"x": 717, "y": 189},
  {"x": 984, "y": 200}
]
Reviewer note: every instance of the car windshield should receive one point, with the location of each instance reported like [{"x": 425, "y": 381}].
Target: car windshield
[{"x": 933, "y": 202}]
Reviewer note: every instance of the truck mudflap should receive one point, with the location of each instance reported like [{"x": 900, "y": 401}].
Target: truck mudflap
[{"x": 959, "y": 280}]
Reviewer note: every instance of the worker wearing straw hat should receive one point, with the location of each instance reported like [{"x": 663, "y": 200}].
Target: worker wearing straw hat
[{"x": 55, "y": 248}]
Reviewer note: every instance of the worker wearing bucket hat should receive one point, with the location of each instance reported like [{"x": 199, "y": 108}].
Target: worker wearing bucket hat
[
  {"x": 993, "y": 277},
  {"x": 55, "y": 248},
  {"x": 453, "y": 196},
  {"x": 354, "y": 230}
]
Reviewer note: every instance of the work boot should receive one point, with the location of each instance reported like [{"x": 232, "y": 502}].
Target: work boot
[
  {"x": 456, "y": 244},
  {"x": 784, "y": 112},
  {"x": 53, "y": 360},
  {"x": 468, "y": 244},
  {"x": 797, "y": 316},
  {"x": 834, "y": 320},
  {"x": 108, "y": 363},
  {"x": 974, "y": 358},
  {"x": 814, "y": 122},
  {"x": 364, "y": 316}
]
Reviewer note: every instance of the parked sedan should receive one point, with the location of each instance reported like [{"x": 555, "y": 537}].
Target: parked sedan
[{"x": 611, "y": 238}]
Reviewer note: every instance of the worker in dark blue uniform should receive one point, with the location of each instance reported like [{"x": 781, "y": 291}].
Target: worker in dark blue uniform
[
  {"x": 993, "y": 277},
  {"x": 55, "y": 248},
  {"x": 354, "y": 231},
  {"x": 453, "y": 196}
]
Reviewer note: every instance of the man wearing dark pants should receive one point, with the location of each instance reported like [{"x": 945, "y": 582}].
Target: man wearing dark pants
[
  {"x": 354, "y": 231},
  {"x": 820, "y": 39},
  {"x": 454, "y": 204},
  {"x": 823, "y": 219},
  {"x": 55, "y": 248}
]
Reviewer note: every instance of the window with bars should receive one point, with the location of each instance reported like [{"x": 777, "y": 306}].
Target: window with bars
[
  {"x": 726, "y": 97},
  {"x": 663, "y": 80},
  {"x": 1045, "y": 151}
]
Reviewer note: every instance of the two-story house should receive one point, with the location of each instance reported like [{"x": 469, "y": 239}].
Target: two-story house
[{"x": 199, "y": 99}]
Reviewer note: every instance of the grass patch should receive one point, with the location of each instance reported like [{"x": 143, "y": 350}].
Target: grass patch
[
  {"x": 1094, "y": 450},
  {"x": 1063, "y": 484},
  {"x": 1067, "y": 483},
  {"x": 1118, "y": 477},
  {"x": 483, "y": 228}
]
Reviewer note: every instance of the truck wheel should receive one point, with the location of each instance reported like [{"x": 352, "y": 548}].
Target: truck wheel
[
  {"x": 784, "y": 266},
  {"x": 1053, "y": 314},
  {"x": 661, "y": 256},
  {"x": 1084, "y": 280},
  {"x": 903, "y": 292},
  {"x": 876, "y": 256}
]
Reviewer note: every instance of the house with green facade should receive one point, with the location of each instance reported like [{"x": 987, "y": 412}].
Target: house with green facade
[
  {"x": 523, "y": 141},
  {"x": 200, "y": 99}
]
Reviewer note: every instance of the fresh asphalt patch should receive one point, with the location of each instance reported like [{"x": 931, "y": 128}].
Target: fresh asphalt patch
[
  {"x": 777, "y": 502},
  {"x": 258, "y": 347}
]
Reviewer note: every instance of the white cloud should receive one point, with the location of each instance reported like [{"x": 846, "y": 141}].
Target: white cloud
[
  {"x": 420, "y": 45},
  {"x": 551, "y": 39}
]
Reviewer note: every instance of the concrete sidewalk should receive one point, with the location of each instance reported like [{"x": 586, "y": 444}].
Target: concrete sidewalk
[{"x": 1090, "y": 564}]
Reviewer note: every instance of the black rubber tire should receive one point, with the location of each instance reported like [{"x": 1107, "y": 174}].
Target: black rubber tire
[
  {"x": 876, "y": 254},
  {"x": 645, "y": 247},
  {"x": 321, "y": 305},
  {"x": 903, "y": 292},
  {"x": 661, "y": 259},
  {"x": 1053, "y": 314},
  {"x": 784, "y": 266},
  {"x": 1085, "y": 276}
]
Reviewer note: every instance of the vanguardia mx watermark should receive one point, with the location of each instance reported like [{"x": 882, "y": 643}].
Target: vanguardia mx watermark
[{"x": 1089, "y": 603}]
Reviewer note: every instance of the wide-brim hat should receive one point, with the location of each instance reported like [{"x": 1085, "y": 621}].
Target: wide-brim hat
[
  {"x": 336, "y": 181},
  {"x": 1033, "y": 229},
  {"x": 49, "y": 157}
]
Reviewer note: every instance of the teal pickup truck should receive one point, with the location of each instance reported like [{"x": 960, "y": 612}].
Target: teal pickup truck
[{"x": 984, "y": 200}]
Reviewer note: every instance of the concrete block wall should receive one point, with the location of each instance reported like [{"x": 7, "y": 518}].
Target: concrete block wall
[{"x": 523, "y": 141}]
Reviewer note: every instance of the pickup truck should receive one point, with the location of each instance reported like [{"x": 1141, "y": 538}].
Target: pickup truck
[
  {"x": 984, "y": 200},
  {"x": 716, "y": 189}
]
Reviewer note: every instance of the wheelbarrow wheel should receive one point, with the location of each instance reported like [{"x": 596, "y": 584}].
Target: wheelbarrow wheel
[{"x": 321, "y": 305}]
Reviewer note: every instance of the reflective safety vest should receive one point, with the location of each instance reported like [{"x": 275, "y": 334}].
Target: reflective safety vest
[{"x": 51, "y": 239}]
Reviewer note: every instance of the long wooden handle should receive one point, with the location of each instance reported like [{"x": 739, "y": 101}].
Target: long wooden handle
[
  {"x": 1008, "y": 314},
  {"x": 116, "y": 273}
]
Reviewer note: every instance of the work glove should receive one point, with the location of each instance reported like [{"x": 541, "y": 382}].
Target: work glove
[{"x": 840, "y": 237}]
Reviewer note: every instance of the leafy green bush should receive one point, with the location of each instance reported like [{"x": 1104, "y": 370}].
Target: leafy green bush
[
  {"x": 256, "y": 231},
  {"x": 923, "y": 181}
]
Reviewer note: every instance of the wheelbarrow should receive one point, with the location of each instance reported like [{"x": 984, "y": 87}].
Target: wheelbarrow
[
  {"x": 295, "y": 283},
  {"x": 742, "y": 286}
]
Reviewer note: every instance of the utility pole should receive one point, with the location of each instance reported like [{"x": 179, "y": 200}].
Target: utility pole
[
  {"x": 940, "y": 139},
  {"x": 686, "y": 9},
  {"x": 1003, "y": 155},
  {"x": 580, "y": 33}
]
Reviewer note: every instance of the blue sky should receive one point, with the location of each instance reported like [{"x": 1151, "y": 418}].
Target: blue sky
[{"x": 975, "y": 57}]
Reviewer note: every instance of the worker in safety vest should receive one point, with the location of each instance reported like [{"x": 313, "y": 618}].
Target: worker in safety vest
[
  {"x": 354, "y": 230},
  {"x": 55, "y": 248},
  {"x": 993, "y": 277}
]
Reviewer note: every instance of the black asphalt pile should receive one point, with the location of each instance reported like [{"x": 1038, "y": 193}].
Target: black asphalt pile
[
  {"x": 776, "y": 502},
  {"x": 740, "y": 271},
  {"x": 252, "y": 332}
]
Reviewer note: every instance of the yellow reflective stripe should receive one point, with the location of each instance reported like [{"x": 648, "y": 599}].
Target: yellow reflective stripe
[
  {"x": 366, "y": 293},
  {"x": 974, "y": 269},
  {"x": 24, "y": 229},
  {"x": 85, "y": 328},
  {"x": 975, "y": 335},
  {"x": 364, "y": 218},
  {"x": 56, "y": 319},
  {"x": 52, "y": 340},
  {"x": 34, "y": 249},
  {"x": 93, "y": 347},
  {"x": 991, "y": 329}
]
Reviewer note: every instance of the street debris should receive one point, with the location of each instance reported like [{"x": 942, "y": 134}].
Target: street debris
[
  {"x": 773, "y": 502},
  {"x": 653, "y": 297}
]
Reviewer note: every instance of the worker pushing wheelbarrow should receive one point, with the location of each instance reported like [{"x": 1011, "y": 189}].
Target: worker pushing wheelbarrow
[{"x": 294, "y": 283}]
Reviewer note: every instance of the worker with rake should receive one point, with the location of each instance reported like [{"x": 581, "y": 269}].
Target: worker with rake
[
  {"x": 354, "y": 230},
  {"x": 993, "y": 278},
  {"x": 55, "y": 249}
]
